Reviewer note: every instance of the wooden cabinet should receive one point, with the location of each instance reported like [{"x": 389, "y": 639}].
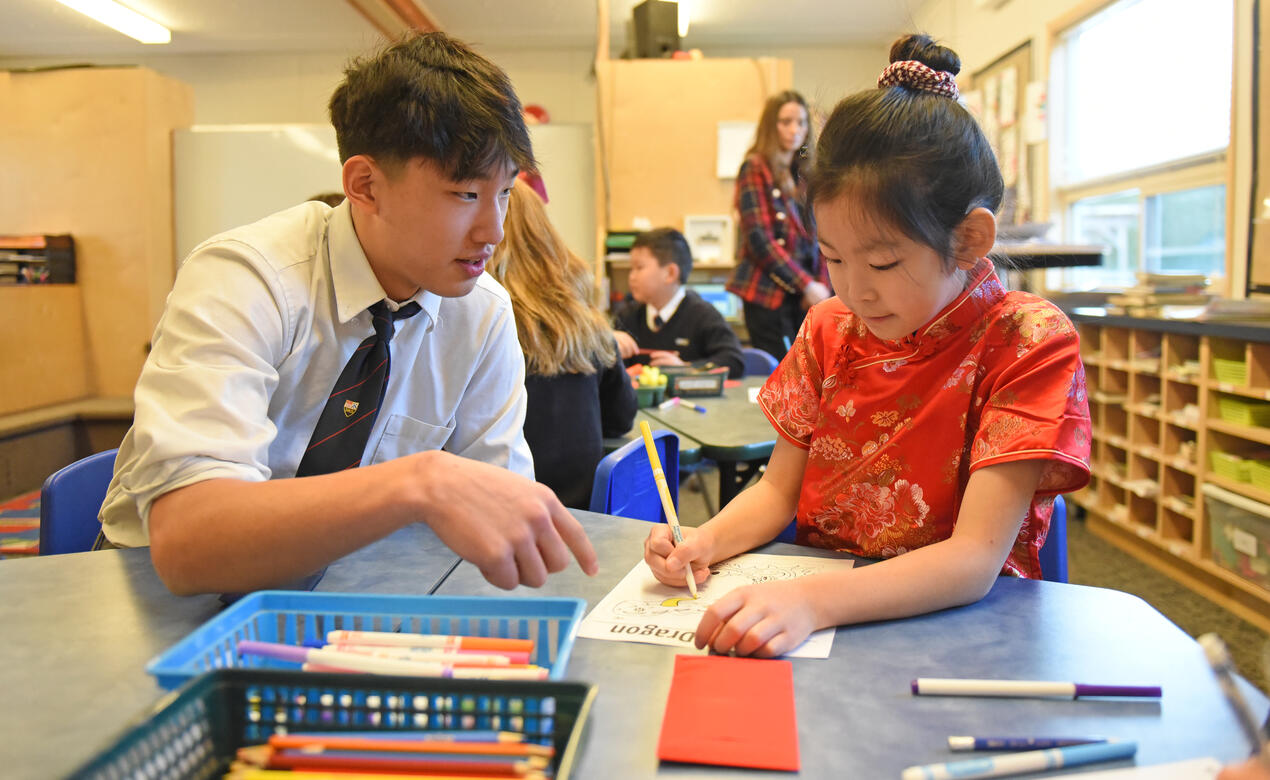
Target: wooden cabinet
[{"x": 1161, "y": 430}]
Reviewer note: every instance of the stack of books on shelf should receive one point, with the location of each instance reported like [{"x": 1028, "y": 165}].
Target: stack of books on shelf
[
  {"x": 1157, "y": 295},
  {"x": 1242, "y": 309}
]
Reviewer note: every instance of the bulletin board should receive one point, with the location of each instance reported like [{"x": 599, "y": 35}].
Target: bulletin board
[
  {"x": 1259, "y": 229},
  {"x": 997, "y": 98}
]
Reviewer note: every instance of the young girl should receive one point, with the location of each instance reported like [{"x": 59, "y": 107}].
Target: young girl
[
  {"x": 778, "y": 270},
  {"x": 926, "y": 415},
  {"x": 578, "y": 390}
]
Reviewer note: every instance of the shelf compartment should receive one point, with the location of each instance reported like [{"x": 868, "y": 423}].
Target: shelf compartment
[{"x": 1181, "y": 358}]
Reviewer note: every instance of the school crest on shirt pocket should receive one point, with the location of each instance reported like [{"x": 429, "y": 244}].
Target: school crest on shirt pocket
[{"x": 350, "y": 408}]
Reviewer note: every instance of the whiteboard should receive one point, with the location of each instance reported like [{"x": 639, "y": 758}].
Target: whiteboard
[{"x": 225, "y": 176}]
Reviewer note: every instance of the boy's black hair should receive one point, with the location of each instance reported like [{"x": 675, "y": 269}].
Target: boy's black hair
[
  {"x": 668, "y": 246},
  {"x": 431, "y": 96},
  {"x": 918, "y": 161}
]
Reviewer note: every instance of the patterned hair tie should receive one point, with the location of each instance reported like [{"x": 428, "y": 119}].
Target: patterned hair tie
[{"x": 919, "y": 76}]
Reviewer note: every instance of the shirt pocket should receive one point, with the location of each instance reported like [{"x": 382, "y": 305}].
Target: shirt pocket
[{"x": 405, "y": 436}]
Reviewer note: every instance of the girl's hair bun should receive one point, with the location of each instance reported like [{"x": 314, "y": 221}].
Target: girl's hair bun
[{"x": 924, "y": 49}]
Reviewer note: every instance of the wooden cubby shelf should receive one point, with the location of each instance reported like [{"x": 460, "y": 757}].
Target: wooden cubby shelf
[{"x": 1155, "y": 399}]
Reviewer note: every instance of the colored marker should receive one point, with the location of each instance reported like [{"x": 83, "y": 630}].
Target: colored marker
[
  {"x": 695, "y": 407},
  {"x": 430, "y": 640},
  {"x": 668, "y": 403},
  {"x": 934, "y": 686},
  {"x": 322, "y": 659},
  {"x": 1018, "y": 743},
  {"x": 1219, "y": 659},
  {"x": 371, "y": 665},
  {"x": 1018, "y": 763}
]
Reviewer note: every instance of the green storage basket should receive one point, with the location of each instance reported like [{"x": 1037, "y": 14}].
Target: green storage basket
[
  {"x": 1234, "y": 372},
  {"x": 195, "y": 732},
  {"x": 1259, "y": 474},
  {"x": 1230, "y": 466},
  {"x": 1243, "y": 412}
]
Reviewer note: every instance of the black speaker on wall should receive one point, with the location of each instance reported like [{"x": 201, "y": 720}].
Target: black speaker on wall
[{"x": 656, "y": 28}]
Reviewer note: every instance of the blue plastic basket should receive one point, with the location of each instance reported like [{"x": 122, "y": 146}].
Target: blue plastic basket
[
  {"x": 194, "y": 733},
  {"x": 296, "y": 617}
]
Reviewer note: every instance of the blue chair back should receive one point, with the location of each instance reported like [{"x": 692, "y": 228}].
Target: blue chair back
[
  {"x": 758, "y": 362},
  {"x": 624, "y": 484},
  {"x": 1054, "y": 552},
  {"x": 70, "y": 501}
]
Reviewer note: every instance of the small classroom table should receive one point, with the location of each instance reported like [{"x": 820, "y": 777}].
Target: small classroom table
[
  {"x": 856, "y": 715},
  {"x": 689, "y": 449},
  {"x": 733, "y": 432}
]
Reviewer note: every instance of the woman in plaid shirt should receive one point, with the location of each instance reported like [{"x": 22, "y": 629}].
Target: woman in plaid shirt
[{"x": 778, "y": 273}]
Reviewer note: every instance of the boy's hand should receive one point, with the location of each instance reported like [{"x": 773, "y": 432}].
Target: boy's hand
[
  {"x": 663, "y": 357},
  {"x": 626, "y": 346},
  {"x": 514, "y": 530},
  {"x": 764, "y": 620},
  {"x": 667, "y": 561}
]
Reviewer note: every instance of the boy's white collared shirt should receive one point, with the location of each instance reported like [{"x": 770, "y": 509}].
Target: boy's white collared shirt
[{"x": 665, "y": 312}]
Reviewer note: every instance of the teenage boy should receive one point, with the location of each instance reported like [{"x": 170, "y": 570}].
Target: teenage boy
[
  {"x": 269, "y": 361},
  {"x": 669, "y": 320}
]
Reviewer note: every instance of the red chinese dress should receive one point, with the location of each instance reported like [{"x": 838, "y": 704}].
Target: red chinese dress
[{"x": 895, "y": 428}]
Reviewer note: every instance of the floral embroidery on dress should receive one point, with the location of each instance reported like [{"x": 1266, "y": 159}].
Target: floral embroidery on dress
[
  {"x": 885, "y": 419},
  {"x": 831, "y": 448},
  {"x": 847, "y": 411}
]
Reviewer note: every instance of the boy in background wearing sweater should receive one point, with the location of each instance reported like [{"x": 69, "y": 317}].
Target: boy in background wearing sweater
[{"x": 670, "y": 322}]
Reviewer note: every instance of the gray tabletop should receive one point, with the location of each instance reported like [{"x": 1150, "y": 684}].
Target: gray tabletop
[
  {"x": 78, "y": 631},
  {"x": 732, "y": 428},
  {"x": 856, "y": 716}
]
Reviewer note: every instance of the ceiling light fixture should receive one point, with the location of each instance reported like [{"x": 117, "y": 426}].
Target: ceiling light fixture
[{"x": 125, "y": 20}]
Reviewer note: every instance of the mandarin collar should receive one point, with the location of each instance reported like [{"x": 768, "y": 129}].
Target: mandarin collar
[
  {"x": 983, "y": 292},
  {"x": 353, "y": 280}
]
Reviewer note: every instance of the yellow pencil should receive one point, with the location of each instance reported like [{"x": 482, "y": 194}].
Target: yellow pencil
[{"x": 666, "y": 504}]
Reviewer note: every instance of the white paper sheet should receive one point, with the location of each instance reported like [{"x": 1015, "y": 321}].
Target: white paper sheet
[{"x": 641, "y": 609}]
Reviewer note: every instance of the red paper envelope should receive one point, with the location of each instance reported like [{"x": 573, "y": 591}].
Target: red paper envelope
[{"x": 731, "y": 712}]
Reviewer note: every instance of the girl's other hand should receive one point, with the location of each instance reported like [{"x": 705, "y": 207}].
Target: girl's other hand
[
  {"x": 667, "y": 560},
  {"x": 764, "y": 620}
]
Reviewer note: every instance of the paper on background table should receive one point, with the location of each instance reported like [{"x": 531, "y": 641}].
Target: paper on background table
[{"x": 641, "y": 609}]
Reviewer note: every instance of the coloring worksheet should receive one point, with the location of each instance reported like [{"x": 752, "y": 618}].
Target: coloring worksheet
[{"x": 641, "y": 609}]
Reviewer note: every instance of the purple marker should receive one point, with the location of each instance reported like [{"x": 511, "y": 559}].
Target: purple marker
[
  {"x": 1017, "y": 743},
  {"x": 933, "y": 686}
]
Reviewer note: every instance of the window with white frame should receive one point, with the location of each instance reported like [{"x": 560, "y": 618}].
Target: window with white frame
[{"x": 1140, "y": 125}]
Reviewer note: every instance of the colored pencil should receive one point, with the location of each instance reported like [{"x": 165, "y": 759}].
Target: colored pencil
[
  {"x": 337, "y": 742},
  {"x": 667, "y": 505},
  {"x": 267, "y": 757}
]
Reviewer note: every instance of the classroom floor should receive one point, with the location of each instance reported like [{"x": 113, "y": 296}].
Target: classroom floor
[{"x": 1091, "y": 561}]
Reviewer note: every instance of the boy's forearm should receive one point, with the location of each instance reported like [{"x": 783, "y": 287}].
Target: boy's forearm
[{"x": 230, "y": 535}]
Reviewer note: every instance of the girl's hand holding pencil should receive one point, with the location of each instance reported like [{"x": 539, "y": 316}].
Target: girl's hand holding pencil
[{"x": 668, "y": 560}]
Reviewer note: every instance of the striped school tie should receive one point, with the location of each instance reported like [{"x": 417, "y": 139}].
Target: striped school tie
[{"x": 339, "y": 440}]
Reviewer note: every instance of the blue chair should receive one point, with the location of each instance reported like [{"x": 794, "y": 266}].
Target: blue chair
[
  {"x": 758, "y": 362},
  {"x": 1054, "y": 551},
  {"x": 624, "y": 484},
  {"x": 70, "y": 501}
]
